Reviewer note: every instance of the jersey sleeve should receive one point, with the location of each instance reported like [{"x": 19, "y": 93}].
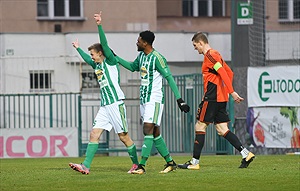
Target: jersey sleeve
[
  {"x": 220, "y": 66},
  {"x": 164, "y": 70},
  {"x": 229, "y": 73},
  {"x": 106, "y": 50},
  {"x": 132, "y": 66},
  {"x": 86, "y": 58}
]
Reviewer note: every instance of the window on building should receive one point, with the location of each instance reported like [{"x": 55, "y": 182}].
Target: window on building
[
  {"x": 289, "y": 10},
  {"x": 89, "y": 80},
  {"x": 204, "y": 8},
  {"x": 74, "y": 8},
  {"x": 42, "y": 8},
  {"x": 187, "y": 8},
  {"x": 40, "y": 80},
  {"x": 217, "y": 8},
  {"x": 296, "y": 7},
  {"x": 60, "y": 9}
]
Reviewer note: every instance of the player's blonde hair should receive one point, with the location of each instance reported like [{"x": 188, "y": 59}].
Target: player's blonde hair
[{"x": 97, "y": 47}]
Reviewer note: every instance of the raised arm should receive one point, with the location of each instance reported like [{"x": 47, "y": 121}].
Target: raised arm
[
  {"x": 103, "y": 41},
  {"x": 86, "y": 57}
]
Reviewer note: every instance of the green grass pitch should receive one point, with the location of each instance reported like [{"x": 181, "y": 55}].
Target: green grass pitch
[{"x": 217, "y": 172}]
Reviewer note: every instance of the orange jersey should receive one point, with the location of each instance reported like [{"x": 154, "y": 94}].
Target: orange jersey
[{"x": 217, "y": 83}]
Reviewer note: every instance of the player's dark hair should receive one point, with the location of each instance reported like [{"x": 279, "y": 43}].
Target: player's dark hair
[
  {"x": 96, "y": 46},
  {"x": 147, "y": 36},
  {"x": 200, "y": 36}
]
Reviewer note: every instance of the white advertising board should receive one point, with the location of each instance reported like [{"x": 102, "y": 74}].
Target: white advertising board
[
  {"x": 38, "y": 142},
  {"x": 274, "y": 127},
  {"x": 273, "y": 86}
]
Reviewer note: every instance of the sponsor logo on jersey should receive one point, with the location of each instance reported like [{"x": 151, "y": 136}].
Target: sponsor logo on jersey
[
  {"x": 144, "y": 71},
  {"x": 99, "y": 74},
  {"x": 103, "y": 83}
]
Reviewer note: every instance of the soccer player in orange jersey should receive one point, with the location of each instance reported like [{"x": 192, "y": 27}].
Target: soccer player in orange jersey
[{"x": 217, "y": 80}]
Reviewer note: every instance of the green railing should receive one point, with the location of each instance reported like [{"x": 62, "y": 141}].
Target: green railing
[
  {"x": 178, "y": 127},
  {"x": 70, "y": 110},
  {"x": 109, "y": 142},
  {"x": 39, "y": 110}
]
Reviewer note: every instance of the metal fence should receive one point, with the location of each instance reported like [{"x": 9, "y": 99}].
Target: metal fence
[
  {"x": 70, "y": 110},
  {"x": 39, "y": 110},
  {"x": 177, "y": 128}
]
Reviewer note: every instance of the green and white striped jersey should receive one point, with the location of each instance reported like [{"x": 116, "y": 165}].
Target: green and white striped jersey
[
  {"x": 108, "y": 78},
  {"x": 107, "y": 72},
  {"x": 151, "y": 88},
  {"x": 153, "y": 68}
]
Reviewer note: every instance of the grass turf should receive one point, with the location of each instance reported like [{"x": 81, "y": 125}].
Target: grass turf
[{"x": 217, "y": 172}]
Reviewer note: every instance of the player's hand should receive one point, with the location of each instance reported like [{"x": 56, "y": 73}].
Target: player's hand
[
  {"x": 75, "y": 44},
  {"x": 183, "y": 106},
  {"x": 97, "y": 18},
  {"x": 236, "y": 97}
]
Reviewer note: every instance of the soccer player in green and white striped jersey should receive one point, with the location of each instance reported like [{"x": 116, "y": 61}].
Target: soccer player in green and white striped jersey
[
  {"x": 112, "y": 112},
  {"x": 153, "y": 68}
]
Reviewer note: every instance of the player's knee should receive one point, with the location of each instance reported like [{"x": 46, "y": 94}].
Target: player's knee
[
  {"x": 148, "y": 128},
  {"x": 221, "y": 131},
  {"x": 95, "y": 135},
  {"x": 200, "y": 126},
  {"x": 156, "y": 131},
  {"x": 123, "y": 137}
]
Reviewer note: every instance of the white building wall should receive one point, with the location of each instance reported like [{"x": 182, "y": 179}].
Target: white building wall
[
  {"x": 16, "y": 74},
  {"x": 176, "y": 47},
  {"x": 283, "y": 46},
  {"x": 21, "y": 53}
]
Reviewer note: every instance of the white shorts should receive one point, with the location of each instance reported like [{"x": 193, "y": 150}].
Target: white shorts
[
  {"x": 112, "y": 116},
  {"x": 151, "y": 112}
]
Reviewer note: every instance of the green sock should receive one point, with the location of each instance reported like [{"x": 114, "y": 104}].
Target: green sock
[
  {"x": 146, "y": 149},
  {"x": 132, "y": 154},
  {"x": 90, "y": 153},
  {"x": 161, "y": 146}
]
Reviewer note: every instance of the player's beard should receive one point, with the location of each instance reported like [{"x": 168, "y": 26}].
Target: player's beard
[{"x": 140, "y": 48}]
